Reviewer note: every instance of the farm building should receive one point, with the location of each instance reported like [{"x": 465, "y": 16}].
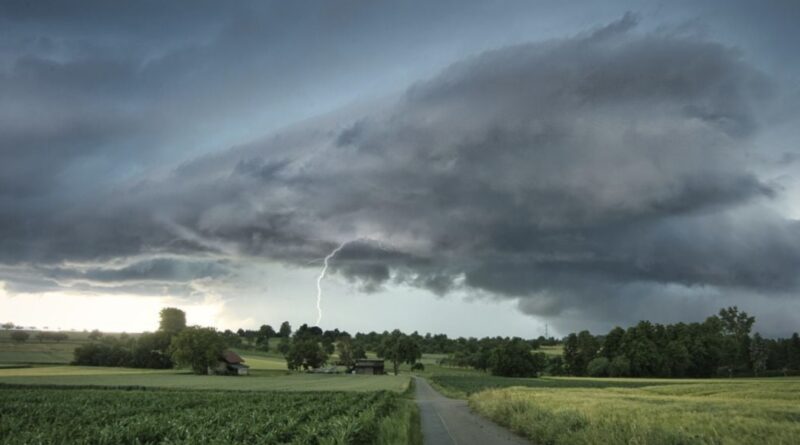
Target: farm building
[
  {"x": 368, "y": 367},
  {"x": 230, "y": 363}
]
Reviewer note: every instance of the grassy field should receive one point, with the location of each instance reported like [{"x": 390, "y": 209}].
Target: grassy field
[
  {"x": 107, "y": 416},
  {"x": 739, "y": 411},
  {"x": 259, "y": 381},
  {"x": 465, "y": 384}
]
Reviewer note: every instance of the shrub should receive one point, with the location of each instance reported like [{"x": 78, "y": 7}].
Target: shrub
[{"x": 598, "y": 367}]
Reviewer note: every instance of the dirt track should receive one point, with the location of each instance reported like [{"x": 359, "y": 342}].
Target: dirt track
[{"x": 450, "y": 421}]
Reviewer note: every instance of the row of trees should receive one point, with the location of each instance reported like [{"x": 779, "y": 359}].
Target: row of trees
[
  {"x": 149, "y": 350},
  {"x": 23, "y": 336},
  {"x": 722, "y": 345}
]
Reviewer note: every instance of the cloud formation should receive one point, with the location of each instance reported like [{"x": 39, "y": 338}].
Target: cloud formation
[{"x": 584, "y": 176}]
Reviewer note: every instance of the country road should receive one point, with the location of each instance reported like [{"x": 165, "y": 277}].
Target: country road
[{"x": 450, "y": 421}]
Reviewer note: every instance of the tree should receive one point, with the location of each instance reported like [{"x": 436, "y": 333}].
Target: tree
[
  {"x": 677, "y": 359},
  {"x": 345, "y": 349},
  {"x": 555, "y": 365},
  {"x": 20, "y": 336},
  {"x": 285, "y": 330},
  {"x": 8, "y": 326},
  {"x": 95, "y": 335},
  {"x": 306, "y": 353},
  {"x": 620, "y": 366},
  {"x": 598, "y": 367},
  {"x": 284, "y": 345},
  {"x": 736, "y": 326},
  {"x": 399, "y": 348},
  {"x": 173, "y": 320},
  {"x": 515, "y": 358},
  {"x": 197, "y": 348},
  {"x": 265, "y": 332},
  {"x": 758, "y": 354}
]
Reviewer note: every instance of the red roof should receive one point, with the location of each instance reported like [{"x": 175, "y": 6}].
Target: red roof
[{"x": 231, "y": 358}]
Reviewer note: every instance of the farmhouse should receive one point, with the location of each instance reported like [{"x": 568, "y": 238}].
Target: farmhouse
[
  {"x": 368, "y": 367},
  {"x": 230, "y": 363}
]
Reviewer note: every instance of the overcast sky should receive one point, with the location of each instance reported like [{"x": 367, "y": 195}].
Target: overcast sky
[{"x": 488, "y": 167}]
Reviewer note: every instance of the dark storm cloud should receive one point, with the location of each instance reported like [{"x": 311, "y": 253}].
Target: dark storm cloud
[{"x": 585, "y": 176}]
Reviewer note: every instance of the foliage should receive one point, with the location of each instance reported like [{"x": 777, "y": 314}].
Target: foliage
[
  {"x": 515, "y": 358},
  {"x": 305, "y": 353},
  {"x": 620, "y": 366},
  {"x": 721, "y": 345},
  {"x": 49, "y": 416},
  {"x": 598, "y": 367},
  {"x": 173, "y": 320},
  {"x": 20, "y": 336},
  {"x": 285, "y": 330},
  {"x": 197, "y": 348},
  {"x": 399, "y": 348}
]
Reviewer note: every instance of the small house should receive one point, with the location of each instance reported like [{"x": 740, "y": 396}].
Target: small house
[
  {"x": 369, "y": 366},
  {"x": 230, "y": 363}
]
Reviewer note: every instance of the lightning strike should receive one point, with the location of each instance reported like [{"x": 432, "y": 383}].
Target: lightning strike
[{"x": 322, "y": 275}]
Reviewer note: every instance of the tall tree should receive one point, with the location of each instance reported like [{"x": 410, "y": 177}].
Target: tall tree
[
  {"x": 197, "y": 348},
  {"x": 399, "y": 348},
  {"x": 285, "y": 329},
  {"x": 173, "y": 320}
]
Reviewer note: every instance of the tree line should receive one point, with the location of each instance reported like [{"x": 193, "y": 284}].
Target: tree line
[{"x": 722, "y": 345}]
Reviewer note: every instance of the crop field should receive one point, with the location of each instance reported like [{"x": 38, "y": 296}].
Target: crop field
[
  {"x": 259, "y": 381},
  {"x": 466, "y": 384},
  {"x": 108, "y": 416},
  {"x": 747, "y": 411}
]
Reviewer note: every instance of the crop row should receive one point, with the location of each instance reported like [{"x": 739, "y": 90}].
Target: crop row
[{"x": 110, "y": 416}]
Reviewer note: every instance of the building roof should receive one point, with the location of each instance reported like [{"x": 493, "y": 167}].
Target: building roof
[
  {"x": 238, "y": 366},
  {"x": 232, "y": 358}
]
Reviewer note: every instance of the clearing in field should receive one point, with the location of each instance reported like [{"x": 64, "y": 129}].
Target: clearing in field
[{"x": 762, "y": 411}]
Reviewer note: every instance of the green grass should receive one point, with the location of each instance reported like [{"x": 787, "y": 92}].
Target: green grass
[
  {"x": 463, "y": 385},
  {"x": 107, "y": 416},
  {"x": 552, "y": 350},
  {"x": 738, "y": 411},
  {"x": 35, "y": 352},
  {"x": 260, "y": 380}
]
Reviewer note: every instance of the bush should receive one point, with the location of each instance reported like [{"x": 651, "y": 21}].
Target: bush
[
  {"x": 619, "y": 367},
  {"x": 598, "y": 367},
  {"x": 417, "y": 367}
]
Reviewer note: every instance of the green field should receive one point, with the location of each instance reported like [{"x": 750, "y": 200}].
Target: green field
[
  {"x": 465, "y": 384},
  {"x": 107, "y": 416},
  {"x": 738, "y": 411},
  {"x": 259, "y": 381}
]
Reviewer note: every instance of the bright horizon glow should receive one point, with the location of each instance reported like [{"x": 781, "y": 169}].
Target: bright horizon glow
[{"x": 108, "y": 313}]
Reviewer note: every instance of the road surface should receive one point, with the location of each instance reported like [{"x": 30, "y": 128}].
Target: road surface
[{"x": 450, "y": 421}]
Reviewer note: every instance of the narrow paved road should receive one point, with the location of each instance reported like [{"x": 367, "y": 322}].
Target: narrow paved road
[{"x": 450, "y": 421}]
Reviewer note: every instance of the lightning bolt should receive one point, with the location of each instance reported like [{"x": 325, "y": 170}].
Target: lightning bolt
[{"x": 322, "y": 275}]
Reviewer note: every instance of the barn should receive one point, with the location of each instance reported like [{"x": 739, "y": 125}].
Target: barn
[
  {"x": 369, "y": 366},
  {"x": 230, "y": 363}
]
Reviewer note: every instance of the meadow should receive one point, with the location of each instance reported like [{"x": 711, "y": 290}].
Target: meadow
[
  {"x": 736, "y": 411},
  {"x": 467, "y": 383},
  {"x": 266, "y": 380},
  {"x": 108, "y": 416}
]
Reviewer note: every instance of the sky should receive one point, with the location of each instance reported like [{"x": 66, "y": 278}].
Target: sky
[{"x": 486, "y": 167}]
